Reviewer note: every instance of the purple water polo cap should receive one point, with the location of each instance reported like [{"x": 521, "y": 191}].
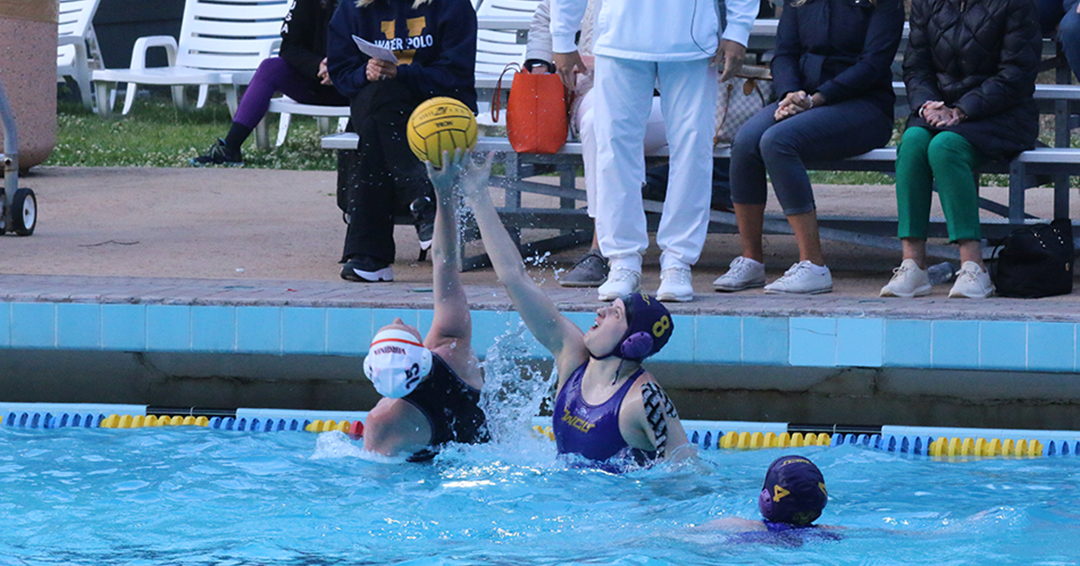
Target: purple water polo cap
[
  {"x": 648, "y": 327},
  {"x": 794, "y": 492}
]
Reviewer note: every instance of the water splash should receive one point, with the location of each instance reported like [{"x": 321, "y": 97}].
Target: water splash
[
  {"x": 513, "y": 390},
  {"x": 336, "y": 444}
]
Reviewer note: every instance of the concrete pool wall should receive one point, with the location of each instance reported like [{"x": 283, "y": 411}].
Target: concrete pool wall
[{"x": 996, "y": 363}]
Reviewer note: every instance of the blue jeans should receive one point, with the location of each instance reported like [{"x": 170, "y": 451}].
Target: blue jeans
[
  {"x": 1062, "y": 15},
  {"x": 833, "y": 131}
]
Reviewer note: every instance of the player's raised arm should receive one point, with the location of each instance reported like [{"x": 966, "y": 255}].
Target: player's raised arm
[{"x": 554, "y": 331}]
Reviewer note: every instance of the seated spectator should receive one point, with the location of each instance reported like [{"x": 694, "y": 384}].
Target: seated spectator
[
  {"x": 430, "y": 388},
  {"x": 299, "y": 72},
  {"x": 832, "y": 74},
  {"x": 609, "y": 412},
  {"x": 969, "y": 83},
  {"x": 434, "y": 42}
]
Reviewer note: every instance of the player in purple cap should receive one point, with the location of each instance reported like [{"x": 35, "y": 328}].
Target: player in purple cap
[
  {"x": 793, "y": 495},
  {"x": 608, "y": 409},
  {"x": 791, "y": 499}
]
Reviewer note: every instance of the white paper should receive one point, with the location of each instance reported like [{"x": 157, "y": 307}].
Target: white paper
[{"x": 374, "y": 51}]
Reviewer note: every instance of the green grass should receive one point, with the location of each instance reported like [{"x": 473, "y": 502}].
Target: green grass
[{"x": 157, "y": 134}]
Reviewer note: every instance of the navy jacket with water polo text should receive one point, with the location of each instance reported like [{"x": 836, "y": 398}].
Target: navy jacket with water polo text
[{"x": 435, "y": 44}]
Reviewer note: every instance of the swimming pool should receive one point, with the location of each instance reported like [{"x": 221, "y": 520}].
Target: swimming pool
[{"x": 194, "y": 495}]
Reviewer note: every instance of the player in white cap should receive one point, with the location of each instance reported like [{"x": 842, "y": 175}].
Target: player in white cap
[{"x": 430, "y": 386}]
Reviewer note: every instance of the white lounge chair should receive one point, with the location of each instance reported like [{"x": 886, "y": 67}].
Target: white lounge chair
[
  {"x": 500, "y": 40},
  {"x": 287, "y": 107},
  {"x": 221, "y": 44},
  {"x": 77, "y": 51}
]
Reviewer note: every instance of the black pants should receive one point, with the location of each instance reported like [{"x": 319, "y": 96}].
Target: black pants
[{"x": 386, "y": 175}]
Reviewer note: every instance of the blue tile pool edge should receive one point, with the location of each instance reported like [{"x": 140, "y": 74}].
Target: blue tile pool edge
[{"x": 796, "y": 341}]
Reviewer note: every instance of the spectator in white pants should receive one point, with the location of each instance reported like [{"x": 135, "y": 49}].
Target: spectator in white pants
[
  {"x": 641, "y": 45},
  {"x": 590, "y": 270}
]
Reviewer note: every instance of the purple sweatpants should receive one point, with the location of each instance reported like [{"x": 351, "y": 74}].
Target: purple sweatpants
[{"x": 275, "y": 75}]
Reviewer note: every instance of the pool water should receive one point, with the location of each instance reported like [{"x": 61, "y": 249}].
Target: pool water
[{"x": 192, "y": 496}]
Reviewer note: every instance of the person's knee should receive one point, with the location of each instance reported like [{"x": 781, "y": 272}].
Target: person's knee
[
  {"x": 1069, "y": 29},
  {"x": 948, "y": 149},
  {"x": 914, "y": 144},
  {"x": 271, "y": 68},
  {"x": 777, "y": 144}
]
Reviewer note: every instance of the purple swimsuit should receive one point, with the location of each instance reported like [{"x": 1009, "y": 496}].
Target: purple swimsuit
[{"x": 592, "y": 431}]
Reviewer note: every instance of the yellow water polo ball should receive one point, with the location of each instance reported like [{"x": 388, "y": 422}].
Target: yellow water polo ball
[{"x": 440, "y": 124}]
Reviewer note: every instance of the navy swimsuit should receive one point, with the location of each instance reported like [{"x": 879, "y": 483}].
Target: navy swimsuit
[
  {"x": 451, "y": 407},
  {"x": 784, "y": 534},
  {"x": 592, "y": 431}
]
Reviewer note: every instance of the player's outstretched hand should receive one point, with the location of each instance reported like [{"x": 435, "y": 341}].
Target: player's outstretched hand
[
  {"x": 476, "y": 177},
  {"x": 445, "y": 178}
]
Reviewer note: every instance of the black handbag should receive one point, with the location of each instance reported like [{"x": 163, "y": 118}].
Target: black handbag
[{"x": 1035, "y": 261}]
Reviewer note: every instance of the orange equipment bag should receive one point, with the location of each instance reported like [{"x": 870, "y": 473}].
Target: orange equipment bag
[{"x": 535, "y": 112}]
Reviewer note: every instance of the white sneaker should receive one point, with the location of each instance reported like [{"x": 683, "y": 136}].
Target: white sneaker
[
  {"x": 620, "y": 282},
  {"x": 972, "y": 282},
  {"x": 675, "y": 285},
  {"x": 743, "y": 273},
  {"x": 802, "y": 278},
  {"x": 907, "y": 281}
]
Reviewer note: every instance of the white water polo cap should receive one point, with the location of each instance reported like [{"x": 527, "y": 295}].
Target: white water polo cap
[{"x": 396, "y": 362}]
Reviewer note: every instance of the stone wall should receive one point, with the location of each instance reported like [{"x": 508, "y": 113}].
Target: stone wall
[{"x": 28, "y": 73}]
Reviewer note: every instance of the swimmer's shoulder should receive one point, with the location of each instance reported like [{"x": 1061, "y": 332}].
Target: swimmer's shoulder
[{"x": 732, "y": 525}]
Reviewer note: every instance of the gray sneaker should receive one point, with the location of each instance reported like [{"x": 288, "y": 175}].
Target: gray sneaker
[{"x": 590, "y": 270}]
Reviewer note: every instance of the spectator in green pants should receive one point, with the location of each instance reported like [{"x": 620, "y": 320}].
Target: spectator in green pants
[{"x": 970, "y": 76}]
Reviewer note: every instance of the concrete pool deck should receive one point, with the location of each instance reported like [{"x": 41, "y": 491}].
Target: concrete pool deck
[{"x": 219, "y": 287}]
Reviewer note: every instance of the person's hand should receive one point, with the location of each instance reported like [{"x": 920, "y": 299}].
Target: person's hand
[
  {"x": 477, "y": 176},
  {"x": 957, "y": 116},
  {"x": 937, "y": 114},
  {"x": 379, "y": 70},
  {"x": 792, "y": 104},
  {"x": 445, "y": 178},
  {"x": 568, "y": 65},
  {"x": 324, "y": 73},
  {"x": 732, "y": 54}
]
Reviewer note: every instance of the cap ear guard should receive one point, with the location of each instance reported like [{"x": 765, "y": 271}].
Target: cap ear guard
[
  {"x": 637, "y": 346},
  {"x": 765, "y": 503}
]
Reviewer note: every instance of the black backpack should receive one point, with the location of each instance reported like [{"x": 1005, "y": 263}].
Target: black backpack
[{"x": 1035, "y": 261}]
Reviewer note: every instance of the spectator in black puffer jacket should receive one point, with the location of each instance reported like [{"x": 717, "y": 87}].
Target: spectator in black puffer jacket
[{"x": 970, "y": 72}]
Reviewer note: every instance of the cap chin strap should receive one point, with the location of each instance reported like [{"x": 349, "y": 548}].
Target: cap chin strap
[{"x": 613, "y": 353}]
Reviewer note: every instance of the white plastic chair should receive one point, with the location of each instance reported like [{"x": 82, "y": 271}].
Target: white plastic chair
[
  {"x": 502, "y": 37},
  {"x": 287, "y": 107},
  {"x": 77, "y": 51},
  {"x": 500, "y": 40},
  {"x": 221, "y": 44}
]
